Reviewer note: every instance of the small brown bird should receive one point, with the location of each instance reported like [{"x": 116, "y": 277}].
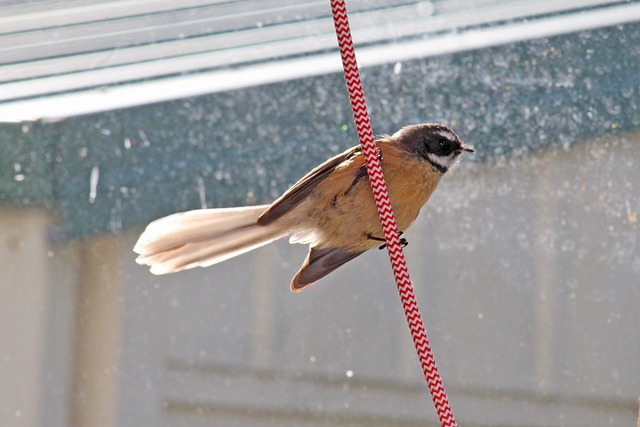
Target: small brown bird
[{"x": 331, "y": 209}]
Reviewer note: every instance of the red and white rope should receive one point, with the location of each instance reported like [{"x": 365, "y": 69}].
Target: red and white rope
[{"x": 387, "y": 219}]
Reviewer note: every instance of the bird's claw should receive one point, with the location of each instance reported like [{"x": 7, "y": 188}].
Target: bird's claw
[{"x": 403, "y": 242}]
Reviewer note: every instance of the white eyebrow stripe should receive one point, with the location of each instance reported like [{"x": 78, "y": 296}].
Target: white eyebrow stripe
[{"x": 446, "y": 134}]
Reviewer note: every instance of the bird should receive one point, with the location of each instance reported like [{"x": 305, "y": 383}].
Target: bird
[{"x": 331, "y": 209}]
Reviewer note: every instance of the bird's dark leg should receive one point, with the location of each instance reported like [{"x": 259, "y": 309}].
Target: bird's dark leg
[
  {"x": 377, "y": 239},
  {"x": 403, "y": 241}
]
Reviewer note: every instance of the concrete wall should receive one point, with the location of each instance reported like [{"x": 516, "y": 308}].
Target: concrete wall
[{"x": 24, "y": 301}]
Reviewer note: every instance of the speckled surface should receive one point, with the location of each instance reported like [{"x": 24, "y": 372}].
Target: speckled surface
[{"x": 247, "y": 146}]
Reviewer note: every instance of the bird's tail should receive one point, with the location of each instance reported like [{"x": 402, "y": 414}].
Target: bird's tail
[{"x": 203, "y": 237}]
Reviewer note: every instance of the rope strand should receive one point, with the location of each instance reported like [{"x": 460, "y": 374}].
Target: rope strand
[{"x": 387, "y": 219}]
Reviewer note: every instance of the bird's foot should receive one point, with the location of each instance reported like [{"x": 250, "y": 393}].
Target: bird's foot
[{"x": 403, "y": 242}]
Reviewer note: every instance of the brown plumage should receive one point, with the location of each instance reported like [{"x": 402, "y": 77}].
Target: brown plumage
[{"x": 331, "y": 209}]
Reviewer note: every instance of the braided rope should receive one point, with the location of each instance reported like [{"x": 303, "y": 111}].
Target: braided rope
[{"x": 387, "y": 219}]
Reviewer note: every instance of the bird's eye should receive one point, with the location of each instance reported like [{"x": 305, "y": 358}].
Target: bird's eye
[{"x": 445, "y": 145}]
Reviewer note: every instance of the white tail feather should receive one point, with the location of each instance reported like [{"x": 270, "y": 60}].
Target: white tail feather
[{"x": 203, "y": 237}]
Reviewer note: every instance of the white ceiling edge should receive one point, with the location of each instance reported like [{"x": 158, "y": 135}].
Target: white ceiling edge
[{"x": 61, "y": 106}]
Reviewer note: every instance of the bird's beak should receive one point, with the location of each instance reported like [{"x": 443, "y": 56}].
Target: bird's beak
[{"x": 467, "y": 148}]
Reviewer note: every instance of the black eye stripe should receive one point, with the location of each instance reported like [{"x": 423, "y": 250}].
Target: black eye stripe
[{"x": 445, "y": 145}]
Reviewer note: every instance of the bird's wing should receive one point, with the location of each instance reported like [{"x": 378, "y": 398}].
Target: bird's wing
[
  {"x": 300, "y": 190},
  {"x": 319, "y": 263}
]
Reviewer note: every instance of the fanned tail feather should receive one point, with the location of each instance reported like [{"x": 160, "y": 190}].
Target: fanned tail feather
[{"x": 203, "y": 237}]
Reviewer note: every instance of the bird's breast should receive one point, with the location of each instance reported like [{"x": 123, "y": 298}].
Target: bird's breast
[
  {"x": 342, "y": 211},
  {"x": 410, "y": 181}
]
